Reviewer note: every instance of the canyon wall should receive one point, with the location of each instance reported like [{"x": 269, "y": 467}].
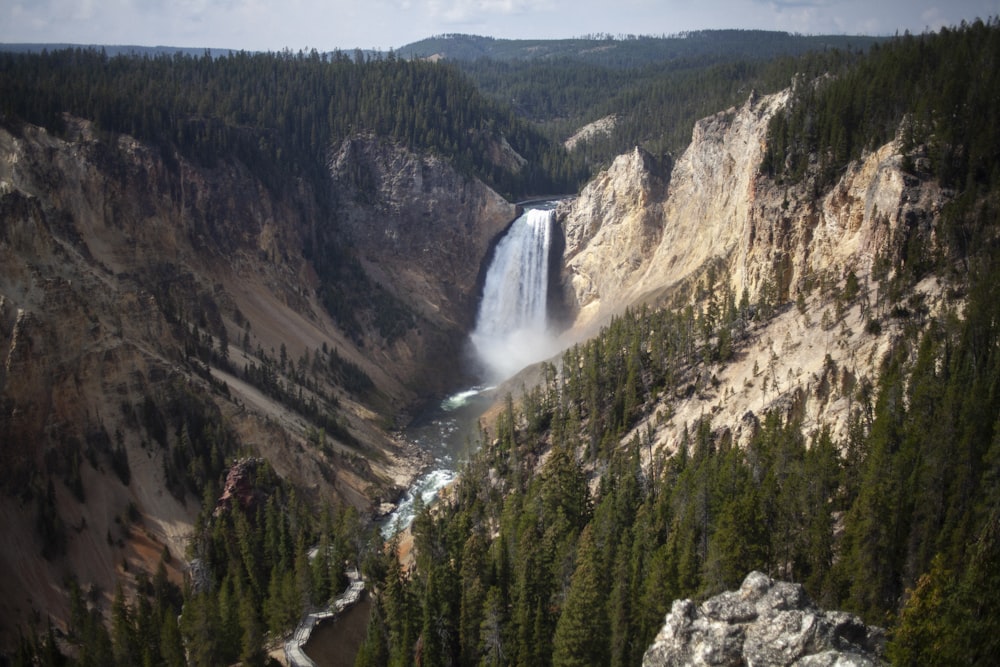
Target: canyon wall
[
  {"x": 631, "y": 233},
  {"x": 151, "y": 305},
  {"x": 634, "y": 236},
  {"x": 422, "y": 230}
]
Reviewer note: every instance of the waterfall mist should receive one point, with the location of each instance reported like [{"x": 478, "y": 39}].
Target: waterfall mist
[{"x": 512, "y": 329}]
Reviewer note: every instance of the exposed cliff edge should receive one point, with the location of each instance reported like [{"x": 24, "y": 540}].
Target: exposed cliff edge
[
  {"x": 652, "y": 233},
  {"x": 763, "y": 623},
  {"x": 611, "y": 231},
  {"x": 631, "y": 233}
]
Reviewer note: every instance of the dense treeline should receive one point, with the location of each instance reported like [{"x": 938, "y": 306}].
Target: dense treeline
[
  {"x": 280, "y": 112},
  {"x": 937, "y": 92},
  {"x": 942, "y": 82},
  {"x": 656, "y": 87},
  {"x": 257, "y": 562},
  {"x": 532, "y": 563},
  {"x": 655, "y": 105},
  {"x": 624, "y": 52}
]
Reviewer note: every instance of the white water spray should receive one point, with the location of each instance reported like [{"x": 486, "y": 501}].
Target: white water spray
[
  {"x": 512, "y": 328},
  {"x": 511, "y": 332}
]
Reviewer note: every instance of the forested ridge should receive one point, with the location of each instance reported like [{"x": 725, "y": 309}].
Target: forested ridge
[
  {"x": 937, "y": 92},
  {"x": 279, "y": 113},
  {"x": 624, "y": 52},
  {"x": 655, "y": 101},
  {"x": 845, "y": 101}
]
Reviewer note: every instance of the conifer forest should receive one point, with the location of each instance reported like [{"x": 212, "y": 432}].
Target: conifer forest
[{"x": 567, "y": 534}]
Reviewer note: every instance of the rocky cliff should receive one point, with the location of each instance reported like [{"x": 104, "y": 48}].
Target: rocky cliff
[
  {"x": 157, "y": 315},
  {"x": 422, "y": 231},
  {"x": 630, "y": 233},
  {"x": 719, "y": 226},
  {"x": 763, "y": 623},
  {"x": 719, "y": 232},
  {"x": 652, "y": 233}
]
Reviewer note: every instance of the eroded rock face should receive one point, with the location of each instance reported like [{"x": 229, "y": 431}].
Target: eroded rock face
[
  {"x": 763, "y": 623},
  {"x": 611, "y": 230},
  {"x": 422, "y": 228},
  {"x": 636, "y": 236},
  {"x": 631, "y": 234},
  {"x": 422, "y": 231},
  {"x": 238, "y": 489},
  {"x": 115, "y": 259}
]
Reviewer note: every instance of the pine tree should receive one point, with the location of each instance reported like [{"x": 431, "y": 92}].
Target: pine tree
[
  {"x": 251, "y": 630},
  {"x": 581, "y": 632},
  {"x": 374, "y": 650},
  {"x": 492, "y": 630},
  {"x": 473, "y": 574},
  {"x": 123, "y": 631},
  {"x": 200, "y": 628},
  {"x": 620, "y": 611},
  {"x": 171, "y": 643}
]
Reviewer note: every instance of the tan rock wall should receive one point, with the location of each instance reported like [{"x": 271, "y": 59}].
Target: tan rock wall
[{"x": 633, "y": 237}]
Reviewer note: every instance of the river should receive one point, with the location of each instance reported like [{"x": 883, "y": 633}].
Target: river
[
  {"x": 512, "y": 331},
  {"x": 335, "y": 642},
  {"x": 447, "y": 431}
]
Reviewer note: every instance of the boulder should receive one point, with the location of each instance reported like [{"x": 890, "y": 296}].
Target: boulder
[{"x": 763, "y": 623}]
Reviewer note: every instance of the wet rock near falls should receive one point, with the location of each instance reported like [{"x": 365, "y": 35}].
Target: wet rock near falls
[{"x": 763, "y": 623}]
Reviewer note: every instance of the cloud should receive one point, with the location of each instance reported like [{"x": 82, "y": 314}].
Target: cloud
[
  {"x": 32, "y": 20},
  {"x": 798, "y": 4},
  {"x": 480, "y": 11}
]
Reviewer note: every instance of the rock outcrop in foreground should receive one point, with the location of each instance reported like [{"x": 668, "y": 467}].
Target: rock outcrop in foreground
[{"x": 763, "y": 623}]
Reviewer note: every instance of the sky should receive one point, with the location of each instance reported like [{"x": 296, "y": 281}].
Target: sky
[{"x": 274, "y": 25}]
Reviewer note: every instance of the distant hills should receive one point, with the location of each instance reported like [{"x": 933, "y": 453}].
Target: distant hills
[
  {"x": 606, "y": 50},
  {"x": 632, "y": 50}
]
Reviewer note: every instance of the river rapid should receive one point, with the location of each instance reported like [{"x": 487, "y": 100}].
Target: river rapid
[{"x": 449, "y": 432}]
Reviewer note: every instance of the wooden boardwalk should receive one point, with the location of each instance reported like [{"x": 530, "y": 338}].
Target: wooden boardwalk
[{"x": 294, "y": 654}]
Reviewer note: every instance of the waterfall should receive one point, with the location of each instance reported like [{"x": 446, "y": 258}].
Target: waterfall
[
  {"x": 512, "y": 327},
  {"x": 511, "y": 332}
]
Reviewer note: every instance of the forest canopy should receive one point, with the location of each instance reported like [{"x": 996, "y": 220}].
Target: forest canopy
[
  {"x": 562, "y": 543},
  {"x": 279, "y": 113}
]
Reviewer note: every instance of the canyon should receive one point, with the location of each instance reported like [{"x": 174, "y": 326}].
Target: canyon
[
  {"x": 136, "y": 283},
  {"x": 147, "y": 301}
]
